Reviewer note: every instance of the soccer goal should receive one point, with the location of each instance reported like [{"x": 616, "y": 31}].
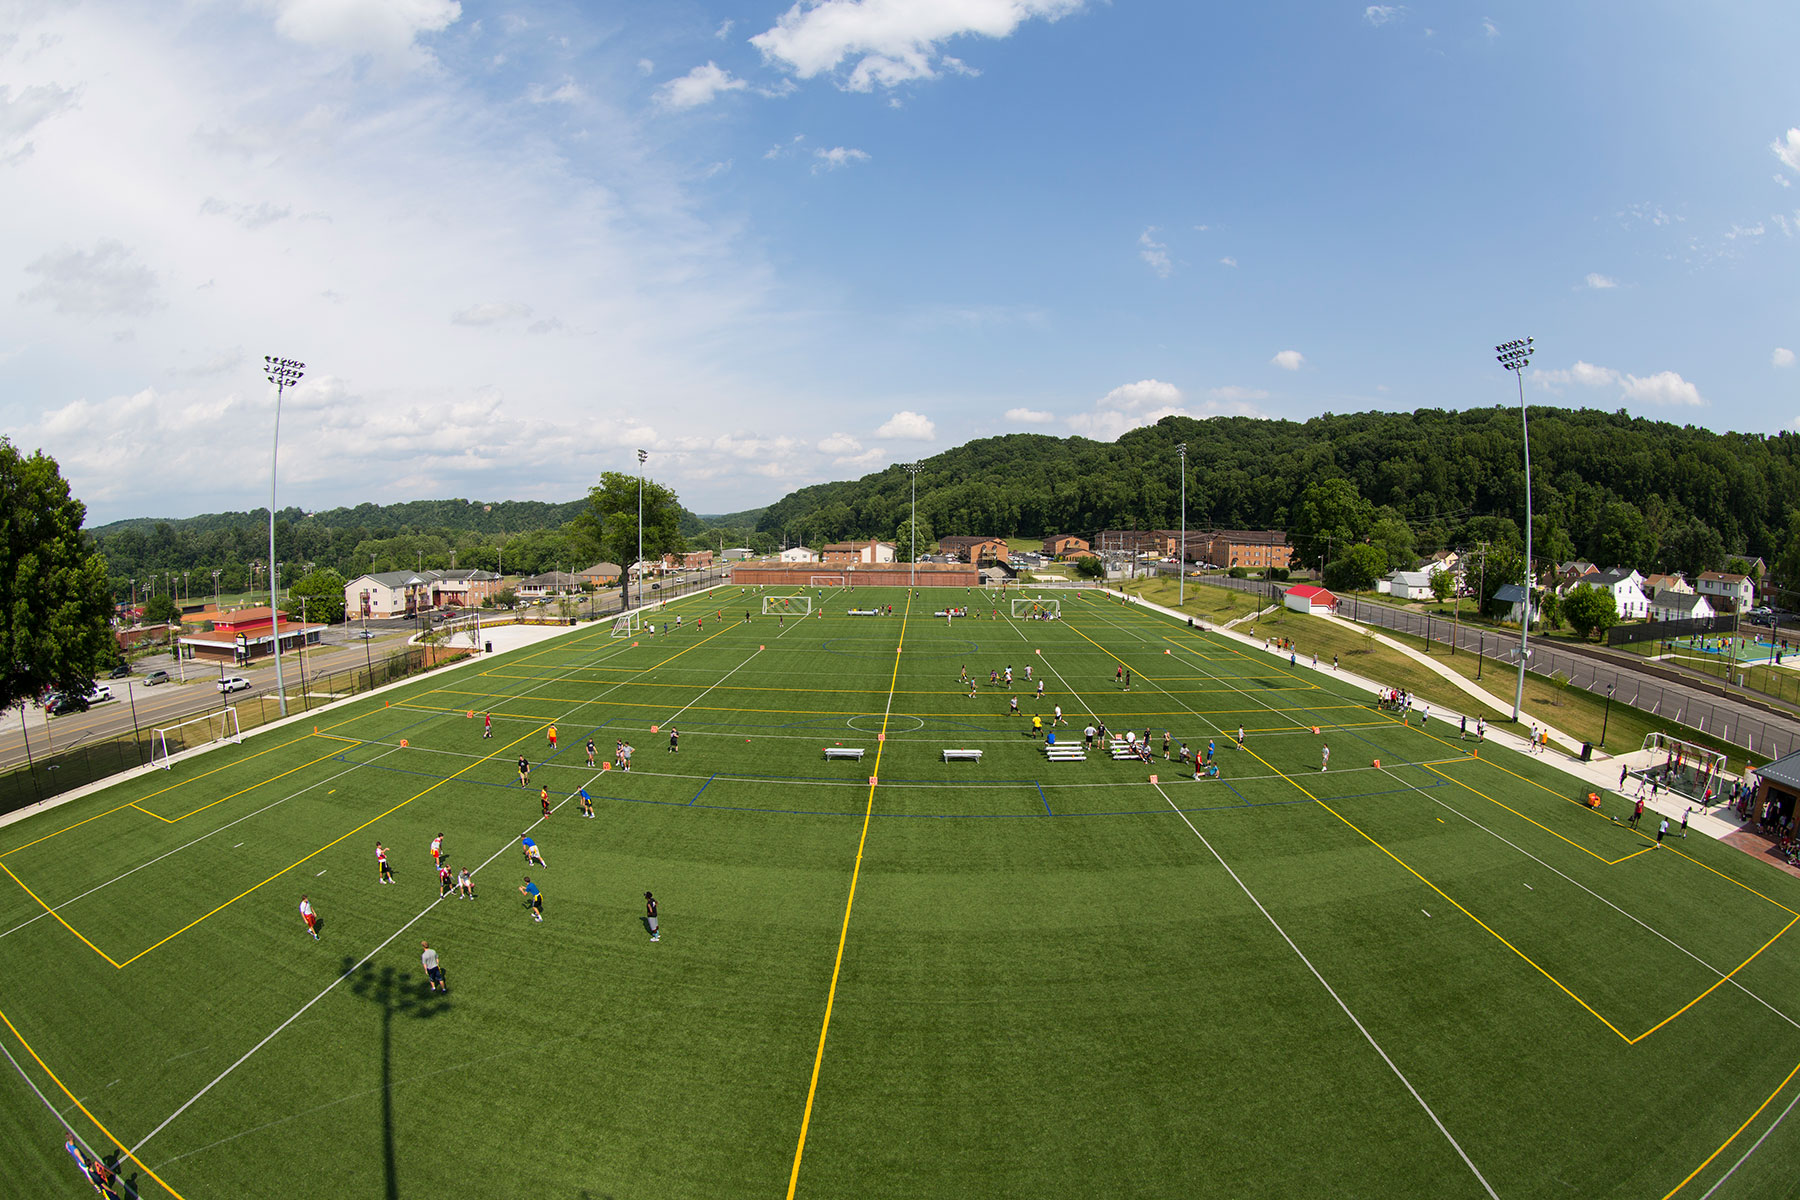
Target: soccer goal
[
  {"x": 1683, "y": 767},
  {"x": 626, "y": 625},
  {"x": 170, "y": 740},
  {"x": 787, "y": 606},
  {"x": 823, "y": 581},
  {"x": 1039, "y": 608}
]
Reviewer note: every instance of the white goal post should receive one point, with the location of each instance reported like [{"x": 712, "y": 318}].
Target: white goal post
[
  {"x": 171, "y": 740},
  {"x": 1046, "y": 607},
  {"x": 787, "y": 606},
  {"x": 827, "y": 581},
  {"x": 626, "y": 625}
]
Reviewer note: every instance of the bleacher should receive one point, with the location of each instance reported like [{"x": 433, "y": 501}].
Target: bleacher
[
  {"x": 854, "y": 752},
  {"x": 962, "y": 755}
]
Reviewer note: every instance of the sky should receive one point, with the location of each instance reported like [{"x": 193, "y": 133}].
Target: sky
[{"x": 777, "y": 244}]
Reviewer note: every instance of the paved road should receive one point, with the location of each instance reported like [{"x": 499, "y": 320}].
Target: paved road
[
  {"x": 165, "y": 704},
  {"x": 145, "y": 708},
  {"x": 1703, "y": 704}
]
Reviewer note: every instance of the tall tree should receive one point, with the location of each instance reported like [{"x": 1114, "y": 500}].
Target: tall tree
[
  {"x": 1588, "y": 609},
  {"x": 1357, "y": 568},
  {"x": 54, "y": 592},
  {"x": 323, "y": 591},
  {"x": 1330, "y": 516},
  {"x": 610, "y": 521}
]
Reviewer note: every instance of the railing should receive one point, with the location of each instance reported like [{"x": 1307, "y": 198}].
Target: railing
[{"x": 58, "y": 771}]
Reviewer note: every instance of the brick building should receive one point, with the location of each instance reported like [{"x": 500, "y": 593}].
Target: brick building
[{"x": 974, "y": 550}]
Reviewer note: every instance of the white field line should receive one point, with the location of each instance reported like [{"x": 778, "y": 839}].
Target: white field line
[
  {"x": 301, "y": 1011},
  {"x": 1657, "y": 933},
  {"x": 1596, "y": 895},
  {"x": 1754, "y": 1147},
  {"x": 1367, "y": 1036},
  {"x": 670, "y": 719},
  {"x": 378, "y": 949},
  {"x": 345, "y": 1099},
  {"x": 196, "y": 841}
]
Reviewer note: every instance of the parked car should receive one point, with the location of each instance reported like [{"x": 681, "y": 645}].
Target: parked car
[
  {"x": 364, "y": 634},
  {"x": 157, "y": 677},
  {"x": 233, "y": 683},
  {"x": 120, "y": 671},
  {"x": 56, "y": 704},
  {"x": 101, "y": 692}
]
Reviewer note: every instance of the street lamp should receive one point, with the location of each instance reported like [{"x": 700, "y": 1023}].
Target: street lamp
[
  {"x": 284, "y": 373},
  {"x": 642, "y": 455},
  {"x": 913, "y": 470},
  {"x": 216, "y": 573},
  {"x": 1181, "y": 555},
  {"x": 1514, "y": 356}
]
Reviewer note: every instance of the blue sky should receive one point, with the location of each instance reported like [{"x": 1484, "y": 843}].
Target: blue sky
[{"x": 778, "y": 244}]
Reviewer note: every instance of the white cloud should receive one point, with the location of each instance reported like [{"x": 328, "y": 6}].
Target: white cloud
[
  {"x": 724, "y": 30},
  {"x": 1744, "y": 231},
  {"x": 839, "y": 443},
  {"x": 1380, "y": 14},
  {"x": 699, "y": 86},
  {"x": 569, "y": 93},
  {"x": 1289, "y": 360},
  {"x": 646, "y": 66},
  {"x": 1598, "y": 282},
  {"x": 1228, "y": 261},
  {"x": 1150, "y": 400},
  {"x": 890, "y": 42},
  {"x": 1029, "y": 416},
  {"x": 908, "y": 426},
  {"x": 1782, "y": 180},
  {"x": 388, "y": 30},
  {"x": 251, "y": 216},
  {"x": 837, "y": 156},
  {"x": 783, "y": 149},
  {"x": 1154, "y": 253},
  {"x": 1488, "y": 28},
  {"x": 1665, "y": 388},
  {"x": 492, "y": 313},
  {"x": 1787, "y": 149},
  {"x": 104, "y": 281},
  {"x": 21, "y": 114},
  {"x": 1783, "y": 357}
]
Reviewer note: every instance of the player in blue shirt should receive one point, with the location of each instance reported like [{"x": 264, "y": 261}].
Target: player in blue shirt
[
  {"x": 534, "y": 899},
  {"x": 531, "y": 851}
]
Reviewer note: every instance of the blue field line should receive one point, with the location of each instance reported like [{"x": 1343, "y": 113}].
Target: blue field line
[
  {"x": 703, "y": 787},
  {"x": 1044, "y": 798}
]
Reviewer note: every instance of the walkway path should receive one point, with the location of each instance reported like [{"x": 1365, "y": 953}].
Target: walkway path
[{"x": 1601, "y": 775}]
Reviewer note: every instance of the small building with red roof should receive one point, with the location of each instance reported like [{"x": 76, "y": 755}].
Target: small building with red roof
[
  {"x": 246, "y": 634},
  {"x": 1309, "y": 599}
]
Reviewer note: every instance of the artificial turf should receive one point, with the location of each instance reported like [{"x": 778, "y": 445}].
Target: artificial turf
[{"x": 1436, "y": 977}]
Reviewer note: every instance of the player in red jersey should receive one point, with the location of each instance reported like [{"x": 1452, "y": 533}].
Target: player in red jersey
[
  {"x": 311, "y": 918},
  {"x": 387, "y": 874}
]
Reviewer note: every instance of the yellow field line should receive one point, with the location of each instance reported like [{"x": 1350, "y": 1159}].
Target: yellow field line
[
  {"x": 234, "y": 795},
  {"x": 1465, "y": 912},
  {"x": 1734, "y": 1133},
  {"x": 328, "y": 845},
  {"x": 1515, "y": 812},
  {"x": 58, "y": 916},
  {"x": 123, "y": 1148},
  {"x": 1709, "y": 991},
  {"x": 844, "y": 931}
]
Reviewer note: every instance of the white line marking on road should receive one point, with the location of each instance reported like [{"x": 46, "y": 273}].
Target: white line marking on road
[{"x": 1367, "y": 1036}]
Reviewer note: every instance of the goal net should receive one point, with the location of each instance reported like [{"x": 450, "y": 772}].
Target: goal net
[
  {"x": 1036, "y": 608},
  {"x": 626, "y": 625},
  {"x": 787, "y": 606},
  {"x": 1682, "y": 766},
  {"x": 170, "y": 740},
  {"x": 827, "y": 581}
]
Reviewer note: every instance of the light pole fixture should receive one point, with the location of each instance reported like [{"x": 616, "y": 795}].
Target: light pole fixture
[
  {"x": 216, "y": 573},
  {"x": 642, "y": 456},
  {"x": 913, "y": 470},
  {"x": 1514, "y": 356},
  {"x": 1610, "y": 688},
  {"x": 1181, "y": 554},
  {"x": 284, "y": 373}
]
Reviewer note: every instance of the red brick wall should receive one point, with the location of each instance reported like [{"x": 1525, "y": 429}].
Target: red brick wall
[{"x": 856, "y": 574}]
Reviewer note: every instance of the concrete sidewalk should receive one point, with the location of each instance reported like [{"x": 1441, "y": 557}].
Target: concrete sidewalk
[{"x": 1600, "y": 776}]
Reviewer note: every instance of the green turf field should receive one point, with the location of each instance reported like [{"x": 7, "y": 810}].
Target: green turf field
[{"x": 1439, "y": 977}]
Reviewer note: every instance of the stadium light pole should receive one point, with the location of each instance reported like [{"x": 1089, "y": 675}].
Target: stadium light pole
[
  {"x": 1514, "y": 356},
  {"x": 1181, "y": 554},
  {"x": 284, "y": 373},
  {"x": 642, "y": 455},
  {"x": 913, "y": 470}
]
